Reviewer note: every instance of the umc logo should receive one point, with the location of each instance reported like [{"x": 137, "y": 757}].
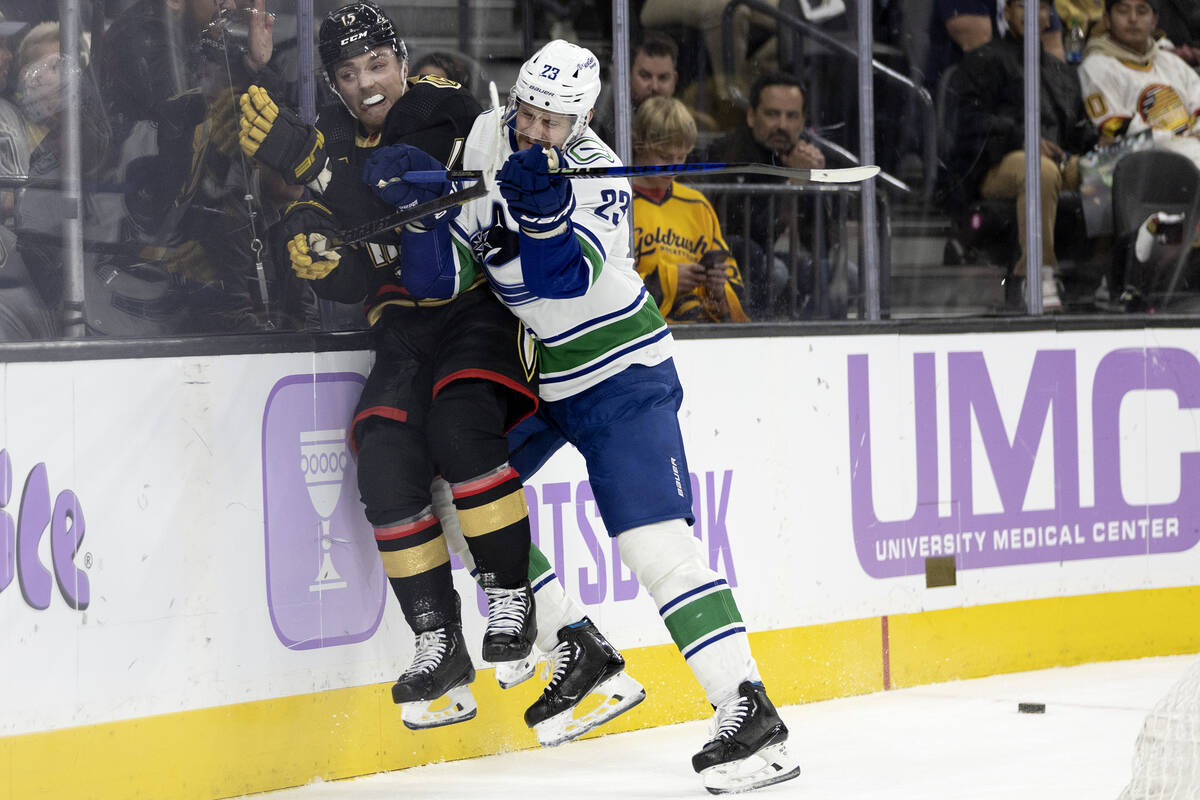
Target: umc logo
[
  {"x": 325, "y": 582},
  {"x": 955, "y": 525},
  {"x": 20, "y": 540}
]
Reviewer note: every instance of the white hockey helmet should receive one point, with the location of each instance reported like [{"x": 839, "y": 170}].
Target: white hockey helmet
[{"x": 561, "y": 77}]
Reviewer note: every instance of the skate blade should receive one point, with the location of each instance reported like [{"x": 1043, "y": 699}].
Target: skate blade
[
  {"x": 456, "y": 705},
  {"x": 770, "y": 765},
  {"x": 511, "y": 673},
  {"x": 621, "y": 694}
]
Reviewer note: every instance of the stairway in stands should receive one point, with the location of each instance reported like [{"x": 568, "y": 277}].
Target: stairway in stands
[{"x": 921, "y": 284}]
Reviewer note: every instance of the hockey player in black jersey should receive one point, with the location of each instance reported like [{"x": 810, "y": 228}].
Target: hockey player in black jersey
[{"x": 448, "y": 378}]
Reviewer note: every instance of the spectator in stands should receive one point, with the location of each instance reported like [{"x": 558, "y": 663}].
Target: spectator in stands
[
  {"x": 959, "y": 26},
  {"x": 172, "y": 73},
  {"x": 653, "y": 68},
  {"x": 444, "y": 65},
  {"x": 1130, "y": 84},
  {"x": 652, "y": 73},
  {"x": 1178, "y": 28},
  {"x": 41, "y": 85},
  {"x": 774, "y": 133},
  {"x": 774, "y": 129},
  {"x": 14, "y": 131},
  {"x": 680, "y": 252},
  {"x": 989, "y": 148}
]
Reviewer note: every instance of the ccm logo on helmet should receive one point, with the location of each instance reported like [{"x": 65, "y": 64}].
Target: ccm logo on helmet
[{"x": 351, "y": 38}]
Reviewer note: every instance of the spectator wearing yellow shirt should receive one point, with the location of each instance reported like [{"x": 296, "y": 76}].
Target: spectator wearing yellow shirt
[{"x": 681, "y": 254}]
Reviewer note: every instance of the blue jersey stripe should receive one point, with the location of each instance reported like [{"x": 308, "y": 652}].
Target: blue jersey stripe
[
  {"x": 580, "y": 230},
  {"x": 549, "y": 577},
  {"x": 663, "y": 611},
  {"x": 712, "y": 640}
]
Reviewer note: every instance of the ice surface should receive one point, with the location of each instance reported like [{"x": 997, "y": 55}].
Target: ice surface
[{"x": 963, "y": 740}]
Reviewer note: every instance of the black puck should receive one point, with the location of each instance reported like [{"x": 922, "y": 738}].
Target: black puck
[{"x": 1031, "y": 708}]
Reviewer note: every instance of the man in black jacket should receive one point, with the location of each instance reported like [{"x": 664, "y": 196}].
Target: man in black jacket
[
  {"x": 775, "y": 133},
  {"x": 988, "y": 154}
]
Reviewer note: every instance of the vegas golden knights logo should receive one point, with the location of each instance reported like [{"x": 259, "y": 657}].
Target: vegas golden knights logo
[
  {"x": 527, "y": 346},
  {"x": 438, "y": 80}
]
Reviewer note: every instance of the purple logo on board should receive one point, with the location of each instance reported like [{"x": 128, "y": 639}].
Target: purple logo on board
[
  {"x": 558, "y": 510},
  {"x": 21, "y": 540},
  {"x": 325, "y": 582},
  {"x": 1110, "y": 527}
]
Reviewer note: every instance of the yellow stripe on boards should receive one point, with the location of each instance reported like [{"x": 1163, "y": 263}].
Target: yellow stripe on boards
[
  {"x": 289, "y": 741},
  {"x": 961, "y": 643}
]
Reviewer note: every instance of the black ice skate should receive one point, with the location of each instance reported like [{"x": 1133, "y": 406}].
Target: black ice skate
[
  {"x": 511, "y": 626},
  {"x": 749, "y": 745},
  {"x": 440, "y": 667},
  {"x": 584, "y": 663}
]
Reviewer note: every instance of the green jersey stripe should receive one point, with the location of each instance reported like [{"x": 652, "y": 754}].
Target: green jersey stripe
[
  {"x": 468, "y": 268},
  {"x": 592, "y": 255},
  {"x": 574, "y": 353}
]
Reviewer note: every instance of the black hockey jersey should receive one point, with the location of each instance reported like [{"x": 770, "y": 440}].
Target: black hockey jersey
[{"x": 434, "y": 115}]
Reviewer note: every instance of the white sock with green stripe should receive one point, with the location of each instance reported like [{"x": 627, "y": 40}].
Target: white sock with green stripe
[
  {"x": 554, "y": 608},
  {"x": 695, "y": 603}
]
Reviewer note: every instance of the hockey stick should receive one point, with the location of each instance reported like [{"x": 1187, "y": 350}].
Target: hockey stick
[
  {"x": 485, "y": 180},
  {"x": 843, "y": 175}
]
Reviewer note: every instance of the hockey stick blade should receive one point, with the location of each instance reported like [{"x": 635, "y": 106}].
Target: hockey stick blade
[
  {"x": 399, "y": 219},
  {"x": 841, "y": 175}
]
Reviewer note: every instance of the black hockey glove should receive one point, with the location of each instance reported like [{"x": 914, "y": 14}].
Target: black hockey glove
[
  {"x": 278, "y": 138},
  {"x": 540, "y": 202},
  {"x": 309, "y": 229}
]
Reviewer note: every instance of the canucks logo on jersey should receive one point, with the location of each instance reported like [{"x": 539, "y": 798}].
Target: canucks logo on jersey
[{"x": 496, "y": 244}]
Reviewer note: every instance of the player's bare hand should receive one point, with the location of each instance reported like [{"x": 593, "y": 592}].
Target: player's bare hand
[{"x": 691, "y": 275}]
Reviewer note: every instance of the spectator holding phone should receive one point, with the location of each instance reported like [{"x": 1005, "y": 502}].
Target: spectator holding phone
[{"x": 681, "y": 254}]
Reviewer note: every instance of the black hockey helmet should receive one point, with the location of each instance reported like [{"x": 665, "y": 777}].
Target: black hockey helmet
[{"x": 354, "y": 29}]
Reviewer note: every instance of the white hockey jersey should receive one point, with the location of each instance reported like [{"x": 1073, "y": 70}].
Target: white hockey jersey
[
  {"x": 615, "y": 323},
  {"x": 1163, "y": 94}
]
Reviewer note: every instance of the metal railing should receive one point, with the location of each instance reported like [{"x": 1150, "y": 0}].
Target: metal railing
[{"x": 765, "y": 221}]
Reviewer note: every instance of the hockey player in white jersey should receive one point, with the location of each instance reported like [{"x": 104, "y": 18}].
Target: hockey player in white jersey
[{"x": 556, "y": 251}]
